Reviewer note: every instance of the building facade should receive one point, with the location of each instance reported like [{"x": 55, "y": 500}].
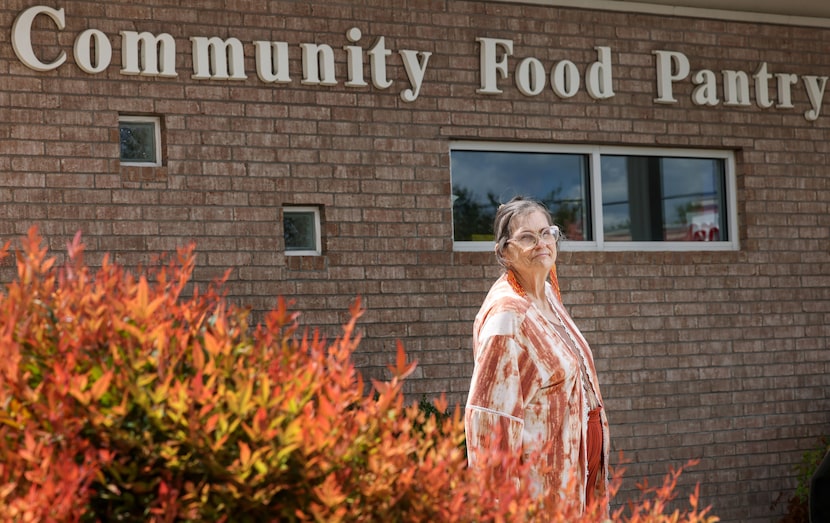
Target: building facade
[{"x": 330, "y": 149}]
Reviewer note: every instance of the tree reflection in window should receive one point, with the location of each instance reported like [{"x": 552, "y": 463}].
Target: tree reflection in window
[{"x": 482, "y": 180}]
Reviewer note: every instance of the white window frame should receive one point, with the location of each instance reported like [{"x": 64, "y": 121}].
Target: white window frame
[
  {"x": 156, "y": 121},
  {"x": 318, "y": 243},
  {"x": 595, "y": 152}
]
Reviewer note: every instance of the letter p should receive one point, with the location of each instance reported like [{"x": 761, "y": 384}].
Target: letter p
[{"x": 666, "y": 74}]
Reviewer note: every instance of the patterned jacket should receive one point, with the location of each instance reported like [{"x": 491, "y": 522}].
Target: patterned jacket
[{"x": 527, "y": 384}]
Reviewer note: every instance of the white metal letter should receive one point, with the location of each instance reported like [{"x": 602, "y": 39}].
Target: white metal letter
[
  {"x": 491, "y": 65},
  {"x": 415, "y": 69},
  {"x": 103, "y": 51},
  {"x": 815, "y": 90},
  {"x": 22, "y": 37},
  {"x": 666, "y": 74},
  {"x": 598, "y": 80},
  {"x": 272, "y": 62},
  {"x": 706, "y": 92},
  {"x": 142, "y": 53},
  {"x": 762, "y": 78},
  {"x": 315, "y": 56},
  {"x": 212, "y": 61},
  {"x": 735, "y": 88},
  {"x": 784, "y": 81},
  {"x": 377, "y": 64},
  {"x": 564, "y": 78},
  {"x": 354, "y": 59},
  {"x": 530, "y": 77}
]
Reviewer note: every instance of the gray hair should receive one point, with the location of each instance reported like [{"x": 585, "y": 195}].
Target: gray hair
[{"x": 518, "y": 206}]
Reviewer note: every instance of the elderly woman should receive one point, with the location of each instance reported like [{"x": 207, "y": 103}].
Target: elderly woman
[{"x": 534, "y": 379}]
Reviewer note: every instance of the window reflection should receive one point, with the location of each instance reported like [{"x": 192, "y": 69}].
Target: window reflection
[
  {"x": 138, "y": 142},
  {"x": 650, "y": 198},
  {"x": 299, "y": 231},
  {"x": 482, "y": 180}
]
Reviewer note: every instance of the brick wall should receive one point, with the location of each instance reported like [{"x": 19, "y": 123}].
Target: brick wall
[{"x": 720, "y": 356}]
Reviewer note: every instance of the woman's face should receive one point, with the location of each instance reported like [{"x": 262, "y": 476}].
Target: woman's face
[{"x": 539, "y": 258}]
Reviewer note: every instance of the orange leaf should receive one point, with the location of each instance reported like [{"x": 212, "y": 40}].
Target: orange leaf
[
  {"x": 244, "y": 452},
  {"x": 100, "y": 387},
  {"x": 210, "y": 424}
]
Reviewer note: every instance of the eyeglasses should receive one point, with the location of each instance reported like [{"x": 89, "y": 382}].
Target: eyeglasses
[{"x": 529, "y": 240}]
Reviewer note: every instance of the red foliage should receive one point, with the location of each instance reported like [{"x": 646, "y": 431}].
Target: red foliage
[{"x": 125, "y": 400}]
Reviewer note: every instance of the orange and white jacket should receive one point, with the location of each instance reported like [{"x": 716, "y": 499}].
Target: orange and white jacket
[{"x": 527, "y": 385}]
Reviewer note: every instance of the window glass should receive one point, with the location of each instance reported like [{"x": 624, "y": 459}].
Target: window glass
[
  {"x": 301, "y": 231},
  {"x": 603, "y": 198},
  {"x": 482, "y": 180},
  {"x": 139, "y": 141},
  {"x": 652, "y": 198}
]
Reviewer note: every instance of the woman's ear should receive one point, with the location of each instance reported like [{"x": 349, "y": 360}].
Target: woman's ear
[{"x": 499, "y": 255}]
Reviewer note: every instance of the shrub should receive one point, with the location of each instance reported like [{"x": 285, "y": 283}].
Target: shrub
[
  {"x": 125, "y": 400},
  {"x": 798, "y": 510}
]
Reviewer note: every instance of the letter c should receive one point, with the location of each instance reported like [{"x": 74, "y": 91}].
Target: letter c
[{"x": 22, "y": 37}]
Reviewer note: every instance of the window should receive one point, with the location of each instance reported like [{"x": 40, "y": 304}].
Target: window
[
  {"x": 140, "y": 140},
  {"x": 604, "y": 198},
  {"x": 653, "y": 198},
  {"x": 301, "y": 230}
]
